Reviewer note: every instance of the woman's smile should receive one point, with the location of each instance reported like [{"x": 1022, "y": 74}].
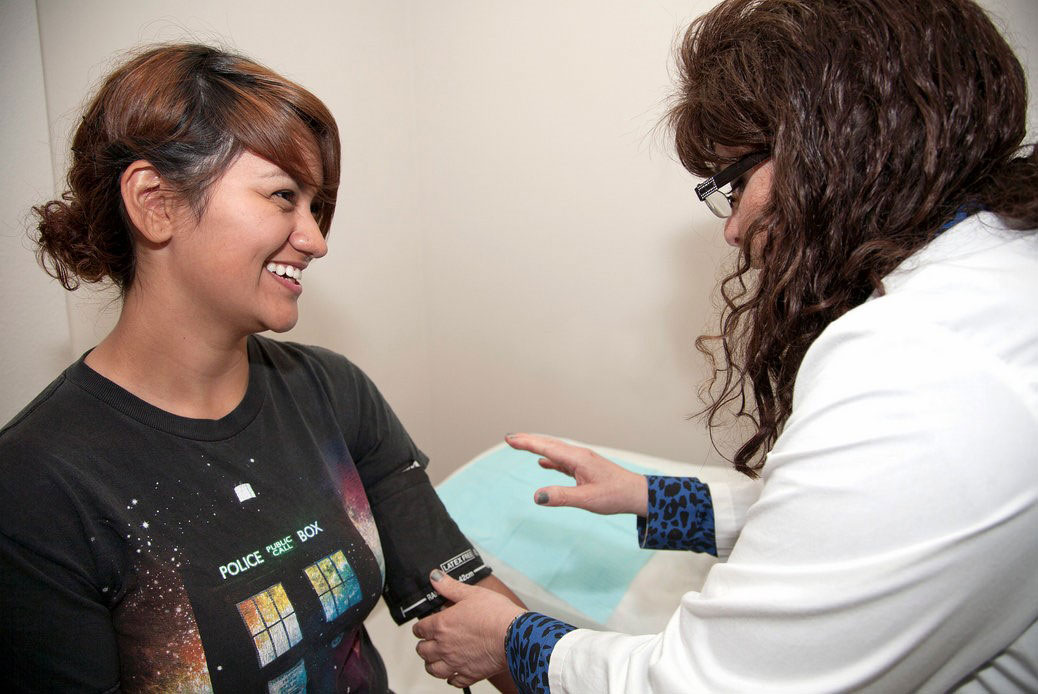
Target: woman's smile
[
  {"x": 285, "y": 272},
  {"x": 287, "y": 276}
]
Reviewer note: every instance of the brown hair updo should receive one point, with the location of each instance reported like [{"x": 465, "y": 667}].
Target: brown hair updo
[
  {"x": 883, "y": 118},
  {"x": 190, "y": 110}
]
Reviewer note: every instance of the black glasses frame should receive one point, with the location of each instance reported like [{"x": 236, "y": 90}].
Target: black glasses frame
[{"x": 722, "y": 178}]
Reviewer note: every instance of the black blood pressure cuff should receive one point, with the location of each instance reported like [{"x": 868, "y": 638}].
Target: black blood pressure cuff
[{"x": 417, "y": 536}]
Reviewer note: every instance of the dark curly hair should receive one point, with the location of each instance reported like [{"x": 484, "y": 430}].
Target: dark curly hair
[
  {"x": 189, "y": 110},
  {"x": 883, "y": 118}
]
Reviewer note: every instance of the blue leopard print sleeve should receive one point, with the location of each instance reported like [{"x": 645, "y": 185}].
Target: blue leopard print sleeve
[
  {"x": 680, "y": 516},
  {"x": 528, "y": 646}
]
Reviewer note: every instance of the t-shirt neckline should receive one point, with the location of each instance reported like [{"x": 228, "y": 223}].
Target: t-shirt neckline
[{"x": 149, "y": 415}]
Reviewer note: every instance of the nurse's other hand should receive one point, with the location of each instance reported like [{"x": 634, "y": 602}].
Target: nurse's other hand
[
  {"x": 602, "y": 485},
  {"x": 464, "y": 643}
]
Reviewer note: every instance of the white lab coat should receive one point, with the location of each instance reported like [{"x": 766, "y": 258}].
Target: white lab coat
[{"x": 894, "y": 545}]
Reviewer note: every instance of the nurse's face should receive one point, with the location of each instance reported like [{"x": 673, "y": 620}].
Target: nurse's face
[{"x": 750, "y": 195}]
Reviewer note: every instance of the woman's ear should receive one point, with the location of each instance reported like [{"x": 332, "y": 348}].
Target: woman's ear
[{"x": 149, "y": 203}]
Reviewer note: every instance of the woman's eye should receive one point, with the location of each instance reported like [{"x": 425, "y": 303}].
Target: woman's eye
[
  {"x": 737, "y": 187},
  {"x": 286, "y": 195}
]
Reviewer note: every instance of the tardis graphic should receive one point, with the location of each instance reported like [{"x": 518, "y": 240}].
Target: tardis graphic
[
  {"x": 335, "y": 583},
  {"x": 271, "y": 620}
]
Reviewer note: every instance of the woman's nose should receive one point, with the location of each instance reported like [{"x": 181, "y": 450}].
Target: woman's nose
[
  {"x": 307, "y": 238},
  {"x": 731, "y": 230}
]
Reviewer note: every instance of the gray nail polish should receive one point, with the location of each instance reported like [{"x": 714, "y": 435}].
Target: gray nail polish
[
  {"x": 436, "y": 575},
  {"x": 542, "y": 498}
]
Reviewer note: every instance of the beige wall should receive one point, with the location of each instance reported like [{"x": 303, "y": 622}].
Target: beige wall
[
  {"x": 34, "y": 337},
  {"x": 570, "y": 267},
  {"x": 515, "y": 248},
  {"x": 1018, "y": 20}
]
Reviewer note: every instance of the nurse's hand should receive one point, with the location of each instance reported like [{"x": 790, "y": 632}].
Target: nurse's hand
[
  {"x": 602, "y": 486},
  {"x": 465, "y": 642}
]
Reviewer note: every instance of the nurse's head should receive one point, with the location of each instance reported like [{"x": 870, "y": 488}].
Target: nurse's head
[
  {"x": 841, "y": 136},
  {"x": 190, "y": 112}
]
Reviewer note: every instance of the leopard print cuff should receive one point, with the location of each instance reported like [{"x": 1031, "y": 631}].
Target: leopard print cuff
[
  {"x": 680, "y": 516},
  {"x": 528, "y": 646}
]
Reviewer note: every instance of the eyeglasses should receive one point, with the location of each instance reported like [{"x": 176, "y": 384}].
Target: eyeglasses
[{"x": 719, "y": 201}]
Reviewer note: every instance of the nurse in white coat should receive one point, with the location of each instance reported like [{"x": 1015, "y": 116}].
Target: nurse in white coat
[{"x": 880, "y": 334}]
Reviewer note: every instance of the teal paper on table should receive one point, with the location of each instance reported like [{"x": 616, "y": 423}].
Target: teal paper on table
[{"x": 585, "y": 559}]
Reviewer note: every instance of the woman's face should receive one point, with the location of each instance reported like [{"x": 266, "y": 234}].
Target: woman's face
[
  {"x": 239, "y": 266},
  {"x": 750, "y": 195}
]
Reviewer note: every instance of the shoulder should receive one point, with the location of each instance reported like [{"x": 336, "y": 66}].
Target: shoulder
[
  {"x": 324, "y": 374},
  {"x": 39, "y": 407},
  {"x": 902, "y": 361},
  {"x": 907, "y": 377},
  {"x": 961, "y": 309},
  {"x": 976, "y": 282},
  {"x": 295, "y": 359},
  {"x": 45, "y": 430},
  {"x": 39, "y": 476},
  {"x": 284, "y": 352}
]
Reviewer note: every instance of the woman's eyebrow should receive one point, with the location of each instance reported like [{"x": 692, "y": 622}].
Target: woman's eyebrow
[
  {"x": 278, "y": 173},
  {"x": 284, "y": 175}
]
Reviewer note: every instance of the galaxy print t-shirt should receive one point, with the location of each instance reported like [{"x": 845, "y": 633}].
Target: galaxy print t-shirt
[{"x": 146, "y": 552}]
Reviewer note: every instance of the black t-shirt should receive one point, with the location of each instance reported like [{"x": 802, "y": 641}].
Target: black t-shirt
[{"x": 142, "y": 551}]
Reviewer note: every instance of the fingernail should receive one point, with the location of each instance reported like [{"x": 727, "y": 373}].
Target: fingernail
[
  {"x": 542, "y": 498},
  {"x": 436, "y": 575},
  {"x": 509, "y": 435}
]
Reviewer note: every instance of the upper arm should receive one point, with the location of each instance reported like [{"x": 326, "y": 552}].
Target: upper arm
[{"x": 415, "y": 530}]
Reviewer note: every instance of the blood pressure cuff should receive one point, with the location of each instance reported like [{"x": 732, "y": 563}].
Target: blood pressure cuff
[{"x": 417, "y": 536}]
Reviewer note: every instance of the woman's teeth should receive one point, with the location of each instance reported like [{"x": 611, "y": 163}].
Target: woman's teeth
[{"x": 285, "y": 271}]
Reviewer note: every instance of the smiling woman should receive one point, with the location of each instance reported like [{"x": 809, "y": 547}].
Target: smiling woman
[
  {"x": 202, "y": 109},
  {"x": 190, "y": 506}
]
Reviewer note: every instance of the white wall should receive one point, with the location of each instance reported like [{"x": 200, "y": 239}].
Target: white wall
[
  {"x": 514, "y": 248},
  {"x": 571, "y": 267},
  {"x": 1018, "y": 20},
  {"x": 35, "y": 331}
]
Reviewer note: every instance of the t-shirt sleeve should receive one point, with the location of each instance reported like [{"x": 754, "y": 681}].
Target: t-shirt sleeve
[
  {"x": 56, "y": 630},
  {"x": 418, "y": 535},
  {"x": 416, "y": 532}
]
